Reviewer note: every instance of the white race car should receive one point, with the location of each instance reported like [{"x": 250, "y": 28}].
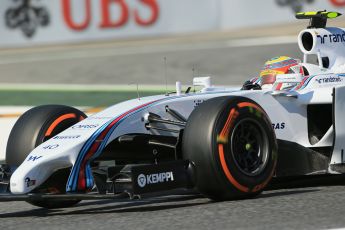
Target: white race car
[{"x": 227, "y": 144}]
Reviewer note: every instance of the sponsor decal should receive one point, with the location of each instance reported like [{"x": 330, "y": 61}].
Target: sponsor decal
[
  {"x": 141, "y": 180},
  {"x": 279, "y": 125},
  {"x": 155, "y": 178},
  {"x": 126, "y": 13},
  {"x": 34, "y": 158},
  {"x": 26, "y": 17},
  {"x": 332, "y": 38},
  {"x": 85, "y": 126},
  {"x": 66, "y": 137},
  {"x": 29, "y": 182},
  {"x": 322, "y": 38},
  {"x": 50, "y": 147},
  {"x": 198, "y": 102},
  {"x": 326, "y": 80}
]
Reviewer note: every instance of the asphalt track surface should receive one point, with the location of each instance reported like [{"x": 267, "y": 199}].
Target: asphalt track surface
[
  {"x": 316, "y": 206},
  {"x": 294, "y": 208},
  {"x": 228, "y": 61}
]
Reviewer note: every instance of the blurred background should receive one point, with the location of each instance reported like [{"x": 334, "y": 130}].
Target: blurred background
[{"x": 94, "y": 53}]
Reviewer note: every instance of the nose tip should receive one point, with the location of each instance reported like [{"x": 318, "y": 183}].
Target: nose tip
[
  {"x": 19, "y": 185},
  {"x": 15, "y": 188}
]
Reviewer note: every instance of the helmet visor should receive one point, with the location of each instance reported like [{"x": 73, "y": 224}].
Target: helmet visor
[{"x": 268, "y": 78}]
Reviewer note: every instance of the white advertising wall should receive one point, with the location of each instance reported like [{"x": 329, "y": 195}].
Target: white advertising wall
[
  {"x": 28, "y": 22},
  {"x": 35, "y": 22}
]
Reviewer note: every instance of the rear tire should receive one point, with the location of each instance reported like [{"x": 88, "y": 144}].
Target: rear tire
[
  {"x": 232, "y": 145},
  {"x": 34, "y": 127}
]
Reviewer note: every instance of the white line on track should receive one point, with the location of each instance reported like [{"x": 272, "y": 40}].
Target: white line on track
[{"x": 112, "y": 51}]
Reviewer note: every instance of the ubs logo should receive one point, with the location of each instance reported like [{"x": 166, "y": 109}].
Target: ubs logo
[{"x": 26, "y": 17}]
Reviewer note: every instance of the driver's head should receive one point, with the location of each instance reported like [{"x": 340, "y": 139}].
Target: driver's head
[{"x": 278, "y": 65}]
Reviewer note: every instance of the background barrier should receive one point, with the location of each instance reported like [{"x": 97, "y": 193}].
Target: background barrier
[
  {"x": 47, "y": 21},
  {"x": 32, "y": 22},
  {"x": 248, "y": 13}
]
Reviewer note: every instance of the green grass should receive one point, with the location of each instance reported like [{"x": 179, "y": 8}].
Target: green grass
[{"x": 73, "y": 98}]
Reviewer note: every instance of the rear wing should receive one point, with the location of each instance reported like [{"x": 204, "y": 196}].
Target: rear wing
[{"x": 318, "y": 19}]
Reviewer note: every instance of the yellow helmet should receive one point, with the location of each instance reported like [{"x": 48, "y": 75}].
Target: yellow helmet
[{"x": 278, "y": 65}]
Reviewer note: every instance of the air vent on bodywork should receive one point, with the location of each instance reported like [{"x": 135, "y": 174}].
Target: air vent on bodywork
[
  {"x": 319, "y": 121},
  {"x": 307, "y": 41}
]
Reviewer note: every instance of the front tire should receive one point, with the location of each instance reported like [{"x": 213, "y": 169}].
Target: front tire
[
  {"x": 232, "y": 145},
  {"x": 34, "y": 127}
]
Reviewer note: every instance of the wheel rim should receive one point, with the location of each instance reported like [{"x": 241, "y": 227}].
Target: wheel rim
[{"x": 249, "y": 147}]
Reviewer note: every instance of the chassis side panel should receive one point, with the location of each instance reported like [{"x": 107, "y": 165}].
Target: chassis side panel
[{"x": 337, "y": 160}]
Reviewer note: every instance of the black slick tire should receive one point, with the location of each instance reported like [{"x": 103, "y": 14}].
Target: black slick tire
[
  {"x": 232, "y": 145},
  {"x": 34, "y": 127}
]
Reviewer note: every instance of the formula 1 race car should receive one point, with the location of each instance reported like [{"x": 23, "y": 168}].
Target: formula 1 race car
[{"x": 226, "y": 143}]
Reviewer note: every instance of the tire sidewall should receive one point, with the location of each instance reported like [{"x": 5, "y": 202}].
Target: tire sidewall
[
  {"x": 251, "y": 182},
  {"x": 201, "y": 147}
]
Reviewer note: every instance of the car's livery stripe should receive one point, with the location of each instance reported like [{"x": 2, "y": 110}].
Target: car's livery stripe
[
  {"x": 78, "y": 178},
  {"x": 301, "y": 84},
  {"x": 81, "y": 178},
  {"x": 76, "y": 166},
  {"x": 304, "y": 83},
  {"x": 84, "y": 181},
  {"x": 279, "y": 86},
  {"x": 87, "y": 146}
]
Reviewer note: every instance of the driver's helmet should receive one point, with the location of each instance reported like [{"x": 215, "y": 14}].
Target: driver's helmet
[{"x": 279, "y": 65}]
